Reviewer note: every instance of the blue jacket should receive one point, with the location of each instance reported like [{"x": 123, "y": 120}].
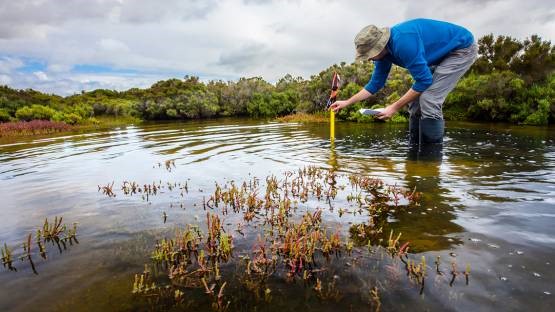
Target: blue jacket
[{"x": 416, "y": 45}]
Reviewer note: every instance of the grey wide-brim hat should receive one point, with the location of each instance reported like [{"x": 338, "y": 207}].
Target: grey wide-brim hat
[{"x": 370, "y": 41}]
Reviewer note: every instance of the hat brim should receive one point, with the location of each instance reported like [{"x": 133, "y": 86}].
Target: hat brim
[{"x": 376, "y": 49}]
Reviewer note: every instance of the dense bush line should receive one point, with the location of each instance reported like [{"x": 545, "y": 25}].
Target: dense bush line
[{"x": 512, "y": 81}]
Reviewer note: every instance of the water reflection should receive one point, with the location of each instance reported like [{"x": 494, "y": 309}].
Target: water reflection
[{"x": 432, "y": 228}]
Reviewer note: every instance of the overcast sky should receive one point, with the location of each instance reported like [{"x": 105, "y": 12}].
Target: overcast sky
[{"x": 65, "y": 46}]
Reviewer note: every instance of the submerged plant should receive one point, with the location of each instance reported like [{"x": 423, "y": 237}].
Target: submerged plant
[
  {"x": 169, "y": 164},
  {"x": 467, "y": 273},
  {"x": 27, "y": 253},
  {"x": 7, "y": 259},
  {"x": 55, "y": 233},
  {"x": 107, "y": 190},
  {"x": 290, "y": 245},
  {"x": 218, "y": 304},
  {"x": 375, "y": 299},
  {"x": 454, "y": 273}
]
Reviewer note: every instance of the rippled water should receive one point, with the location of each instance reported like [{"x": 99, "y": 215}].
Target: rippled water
[{"x": 489, "y": 200}]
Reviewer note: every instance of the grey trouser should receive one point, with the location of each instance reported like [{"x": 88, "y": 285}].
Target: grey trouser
[{"x": 445, "y": 77}]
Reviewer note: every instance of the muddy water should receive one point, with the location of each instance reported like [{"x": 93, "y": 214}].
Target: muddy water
[{"x": 488, "y": 200}]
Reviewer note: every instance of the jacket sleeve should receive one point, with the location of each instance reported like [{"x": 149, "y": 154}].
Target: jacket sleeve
[
  {"x": 379, "y": 76},
  {"x": 411, "y": 53}
]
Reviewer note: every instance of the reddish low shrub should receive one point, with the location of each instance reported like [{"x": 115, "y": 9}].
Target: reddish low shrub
[{"x": 32, "y": 127}]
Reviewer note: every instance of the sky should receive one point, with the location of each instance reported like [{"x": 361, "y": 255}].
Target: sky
[{"x": 65, "y": 46}]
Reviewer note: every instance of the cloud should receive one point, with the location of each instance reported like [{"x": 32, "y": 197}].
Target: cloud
[
  {"x": 42, "y": 76},
  {"x": 245, "y": 58},
  {"x": 113, "y": 45},
  {"x": 5, "y": 79},
  {"x": 9, "y": 64},
  {"x": 132, "y": 43}
]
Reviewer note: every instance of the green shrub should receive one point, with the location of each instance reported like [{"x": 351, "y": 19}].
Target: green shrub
[
  {"x": 540, "y": 116},
  {"x": 113, "y": 107},
  {"x": 171, "y": 112},
  {"x": 83, "y": 110},
  {"x": 58, "y": 116},
  {"x": 398, "y": 118},
  {"x": 350, "y": 112},
  {"x": 306, "y": 107},
  {"x": 198, "y": 104},
  {"x": 455, "y": 113},
  {"x": 24, "y": 113},
  {"x": 93, "y": 121},
  {"x": 42, "y": 112},
  {"x": 272, "y": 104},
  {"x": 4, "y": 116},
  {"x": 34, "y": 112},
  {"x": 70, "y": 119}
]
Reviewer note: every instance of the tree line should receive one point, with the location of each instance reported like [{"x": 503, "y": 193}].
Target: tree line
[{"x": 511, "y": 81}]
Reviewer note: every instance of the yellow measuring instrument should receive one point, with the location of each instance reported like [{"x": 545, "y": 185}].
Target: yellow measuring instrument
[
  {"x": 332, "y": 125},
  {"x": 333, "y": 96}
]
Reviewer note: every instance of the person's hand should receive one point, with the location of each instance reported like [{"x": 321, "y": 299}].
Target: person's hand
[
  {"x": 386, "y": 113},
  {"x": 339, "y": 105}
]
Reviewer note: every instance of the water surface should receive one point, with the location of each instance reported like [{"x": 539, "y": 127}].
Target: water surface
[{"x": 489, "y": 200}]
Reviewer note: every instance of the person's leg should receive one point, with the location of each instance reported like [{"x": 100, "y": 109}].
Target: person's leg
[
  {"x": 445, "y": 78},
  {"x": 431, "y": 130},
  {"x": 414, "y": 123}
]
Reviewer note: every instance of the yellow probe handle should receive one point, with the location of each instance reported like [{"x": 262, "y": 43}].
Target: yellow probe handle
[{"x": 332, "y": 124}]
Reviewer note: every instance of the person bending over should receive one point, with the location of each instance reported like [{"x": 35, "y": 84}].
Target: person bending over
[{"x": 435, "y": 53}]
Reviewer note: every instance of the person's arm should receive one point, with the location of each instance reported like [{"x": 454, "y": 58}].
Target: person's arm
[
  {"x": 379, "y": 76},
  {"x": 411, "y": 53},
  {"x": 407, "y": 98},
  {"x": 377, "y": 81},
  {"x": 361, "y": 95}
]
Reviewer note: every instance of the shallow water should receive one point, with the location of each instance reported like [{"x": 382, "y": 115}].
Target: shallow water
[{"x": 489, "y": 199}]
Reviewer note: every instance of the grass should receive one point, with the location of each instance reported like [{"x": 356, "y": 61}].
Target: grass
[
  {"x": 108, "y": 122},
  {"x": 34, "y": 127},
  {"x": 46, "y": 127}
]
